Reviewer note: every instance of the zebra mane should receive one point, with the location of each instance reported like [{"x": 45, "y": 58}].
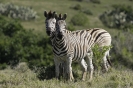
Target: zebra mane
[
  {"x": 60, "y": 17},
  {"x": 50, "y": 14}
]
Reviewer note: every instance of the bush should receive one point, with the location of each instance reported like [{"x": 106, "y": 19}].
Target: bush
[
  {"x": 79, "y": 19},
  {"x": 98, "y": 53},
  {"x": 3, "y": 66},
  {"x": 120, "y": 17},
  {"x": 83, "y": 10},
  {"x": 9, "y": 27},
  {"x": 87, "y": 11},
  {"x": 122, "y": 49},
  {"x": 77, "y": 7},
  {"x": 71, "y": 27},
  {"x": 18, "y": 44},
  {"x": 95, "y": 1},
  {"x": 17, "y": 12}
]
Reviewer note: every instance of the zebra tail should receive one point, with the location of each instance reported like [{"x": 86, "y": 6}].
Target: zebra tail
[{"x": 108, "y": 59}]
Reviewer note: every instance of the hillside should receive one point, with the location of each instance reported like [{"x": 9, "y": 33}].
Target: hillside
[
  {"x": 22, "y": 76},
  {"x": 56, "y": 5}
]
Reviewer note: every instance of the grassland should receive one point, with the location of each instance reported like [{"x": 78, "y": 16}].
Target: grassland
[{"x": 22, "y": 77}]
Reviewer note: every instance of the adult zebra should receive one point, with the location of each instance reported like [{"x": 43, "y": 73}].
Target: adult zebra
[
  {"x": 50, "y": 30},
  {"x": 56, "y": 44},
  {"x": 77, "y": 45}
]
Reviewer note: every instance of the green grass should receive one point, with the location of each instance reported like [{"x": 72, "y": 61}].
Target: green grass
[{"x": 22, "y": 77}]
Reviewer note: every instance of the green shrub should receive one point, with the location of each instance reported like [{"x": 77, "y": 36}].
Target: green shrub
[
  {"x": 98, "y": 53},
  {"x": 120, "y": 17},
  {"x": 95, "y": 1},
  {"x": 18, "y": 44},
  {"x": 87, "y": 11},
  {"x": 71, "y": 27},
  {"x": 122, "y": 49},
  {"x": 79, "y": 19},
  {"x": 80, "y": 9},
  {"x": 3, "y": 66},
  {"x": 17, "y": 12},
  {"x": 77, "y": 7},
  {"x": 9, "y": 27}
]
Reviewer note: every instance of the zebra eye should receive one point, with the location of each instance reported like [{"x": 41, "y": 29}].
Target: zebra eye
[{"x": 53, "y": 22}]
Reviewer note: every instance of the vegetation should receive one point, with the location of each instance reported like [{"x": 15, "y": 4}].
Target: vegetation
[
  {"x": 79, "y": 8},
  {"x": 93, "y": 1},
  {"x": 22, "y": 76},
  {"x": 18, "y": 44},
  {"x": 120, "y": 17},
  {"x": 123, "y": 50},
  {"x": 26, "y": 45},
  {"x": 17, "y": 12},
  {"x": 79, "y": 19},
  {"x": 98, "y": 53}
]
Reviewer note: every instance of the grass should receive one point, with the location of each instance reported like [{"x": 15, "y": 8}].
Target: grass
[{"x": 22, "y": 77}]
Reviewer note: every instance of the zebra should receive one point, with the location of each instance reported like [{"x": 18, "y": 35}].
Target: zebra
[
  {"x": 50, "y": 31},
  {"x": 76, "y": 45}
]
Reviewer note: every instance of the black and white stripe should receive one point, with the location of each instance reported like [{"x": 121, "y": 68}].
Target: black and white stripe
[
  {"x": 50, "y": 30},
  {"x": 77, "y": 45},
  {"x": 74, "y": 46}
]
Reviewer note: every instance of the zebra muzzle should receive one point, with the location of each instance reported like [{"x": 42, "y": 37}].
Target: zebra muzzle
[
  {"x": 48, "y": 33},
  {"x": 60, "y": 35}
]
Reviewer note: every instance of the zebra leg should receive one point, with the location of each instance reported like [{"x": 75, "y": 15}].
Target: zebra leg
[
  {"x": 84, "y": 68},
  {"x": 105, "y": 61},
  {"x": 69, "y": 69},
  {"x": 89, "y": 61},
  {"x": 63, "y": 68},
  {"x": 57, "y": 64}
]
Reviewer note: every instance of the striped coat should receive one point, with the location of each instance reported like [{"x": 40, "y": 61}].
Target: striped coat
[{"x": 77, "y": 45}]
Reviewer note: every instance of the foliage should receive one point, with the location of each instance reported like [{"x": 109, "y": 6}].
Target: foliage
[
  {"x": 98, "y": 53},
  {"x": 93, "y": 1},
  {"x": 79, "y": 8},
  {"x": 22, "y": 77},
  {"x": 17, "y": 12},
  {"x": 71, "y": 27},
  {"x": 122, "y": 49},
  {"x": 87, "y": 11},
  {"x": 121, "y": 16},
  {"x": 46, "y": 72},
  {"x": 79, "y": 19},
  {"x": 18, "y": 44}
]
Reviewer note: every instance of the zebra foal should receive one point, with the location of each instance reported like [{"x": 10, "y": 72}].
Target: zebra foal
[{"x": 77, "y": 45}]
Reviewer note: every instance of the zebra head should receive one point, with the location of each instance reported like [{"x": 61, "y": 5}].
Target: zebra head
[
  {"x": 60, "y": 25},
  {"x": 50, "y": 22}
]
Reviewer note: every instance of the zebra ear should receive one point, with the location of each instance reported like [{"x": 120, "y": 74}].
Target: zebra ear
[
  {"x": 56, "y": 17},
  {"x": 45, "y": 13},
  {"x": 54, "y": 14},
  {"x": 60, "y": 16},
  {"x": 64, "y": 16}
]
